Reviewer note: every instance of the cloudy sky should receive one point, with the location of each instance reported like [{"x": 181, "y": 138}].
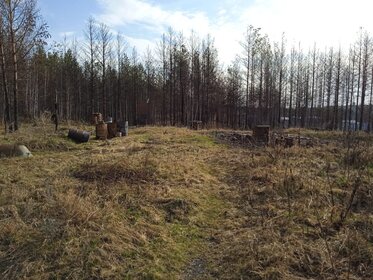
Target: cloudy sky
[{"x": 326, "y": 22}]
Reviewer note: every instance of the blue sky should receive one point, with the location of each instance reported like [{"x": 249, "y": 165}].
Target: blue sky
[{"x": 326, "y": 22}]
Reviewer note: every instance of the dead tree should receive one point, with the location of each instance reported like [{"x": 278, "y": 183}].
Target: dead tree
[
  {"x": 366, "y": 46},
  {"x": 104, "y": 37},
  {"x": 4, "y": 77},
  {"x": 26, "y": 29}
]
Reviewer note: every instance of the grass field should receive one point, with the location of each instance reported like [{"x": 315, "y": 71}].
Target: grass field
[{"x": 171, "y": 203}]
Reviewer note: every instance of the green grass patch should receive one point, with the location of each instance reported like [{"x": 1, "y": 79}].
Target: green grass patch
[{"x": 204, "y": 141}]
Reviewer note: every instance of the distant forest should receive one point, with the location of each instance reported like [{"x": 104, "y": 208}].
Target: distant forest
[{"x": 181, "y": 80}]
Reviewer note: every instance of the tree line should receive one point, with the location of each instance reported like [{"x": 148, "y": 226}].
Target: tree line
[{"x": 181, "y": 79}]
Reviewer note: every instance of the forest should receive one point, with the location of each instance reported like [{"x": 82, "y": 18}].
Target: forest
[{"x": 180, "y": 80}]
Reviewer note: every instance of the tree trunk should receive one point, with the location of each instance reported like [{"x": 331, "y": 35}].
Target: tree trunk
[
  {"x": 15, "y": 80},
  {"x": 5, "y": 84}
]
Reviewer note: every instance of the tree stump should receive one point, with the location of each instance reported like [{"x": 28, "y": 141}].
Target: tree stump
[
  {"x": 261, "y": 133},
  {"x": 196, "y": 125}
]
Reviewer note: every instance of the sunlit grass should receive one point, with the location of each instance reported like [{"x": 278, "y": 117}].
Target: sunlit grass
[{"x": 147, "y": 205}]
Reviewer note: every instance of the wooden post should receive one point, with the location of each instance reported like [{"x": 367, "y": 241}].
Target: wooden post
[
  {"x": 126, "y": 128},
  {"x": 54, "y": 117}
]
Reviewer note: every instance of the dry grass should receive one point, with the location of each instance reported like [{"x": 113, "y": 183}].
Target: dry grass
[{"x": 169, "y": 203}]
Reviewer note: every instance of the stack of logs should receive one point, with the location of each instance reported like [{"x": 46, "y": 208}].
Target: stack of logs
[
  {"x": 235, "y": 138},
  {"x": 262, "y": 135}
]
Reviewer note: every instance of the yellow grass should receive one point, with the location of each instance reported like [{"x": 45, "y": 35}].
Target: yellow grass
[{"x": 171, "y": 203}]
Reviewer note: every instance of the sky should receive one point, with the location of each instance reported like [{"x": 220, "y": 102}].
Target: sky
[{"x": 142, "y": 22}]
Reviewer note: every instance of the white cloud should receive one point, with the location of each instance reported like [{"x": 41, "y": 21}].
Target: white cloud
[
  {"x": 326, "y": 22},
  {"x": 119, "y": 13},
  {"x": 122, "y": 12}
]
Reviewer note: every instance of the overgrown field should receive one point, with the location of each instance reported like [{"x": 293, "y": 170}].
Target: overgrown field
[{"x": 171, "y": 203}]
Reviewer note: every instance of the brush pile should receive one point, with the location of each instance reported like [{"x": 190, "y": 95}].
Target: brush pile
[
  {"x": 235, "y": 138},
  {"x": 290, "y": 140}
]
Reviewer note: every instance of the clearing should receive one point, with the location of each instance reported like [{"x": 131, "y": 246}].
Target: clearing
[{"x": 171, "y": 203}]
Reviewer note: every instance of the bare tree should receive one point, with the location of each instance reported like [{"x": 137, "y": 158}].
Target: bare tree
[
  {"x": 292, "y": 74},
  {"x": 26, "y": 29},
  {"x": 337, "y": 91},
  {"x": 250, "y": 47},
  {"x": 104, "y": 38},
  {"x": 359, "y": 77},
  {"x": 120, "y": 48},
  {"x": 311, "y": 117},
  {"x": 370, "y": 104},
  {"x": 4, "y": 76},
  {"x": 367, "y": 51},
  {"x": 90, "y": 49},
  {"x": 150, "y": 74}
]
